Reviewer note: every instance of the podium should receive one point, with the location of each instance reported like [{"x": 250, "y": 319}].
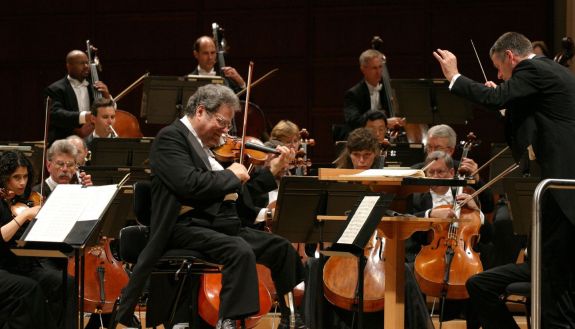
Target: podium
[{"x": 395, "y": 229}]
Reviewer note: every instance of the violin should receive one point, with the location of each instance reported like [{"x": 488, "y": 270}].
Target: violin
[
  {"x": 565, "y": 55},
  {"x": 256, "y": 153},
  {"x": 443, "y": 266},
  {"x": 17, "y": 205}
]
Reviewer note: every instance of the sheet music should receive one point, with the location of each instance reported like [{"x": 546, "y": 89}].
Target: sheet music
[
  {"x": 389, "y": 173},
  {"x": 358, "y": 220},
  {"x": 68, "y": 204}
]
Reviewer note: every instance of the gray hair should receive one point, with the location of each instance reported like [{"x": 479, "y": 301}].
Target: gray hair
[
  {"x": 516, "y": 42},
  {"x": 211, "y": 97},
  {"x": 62, "y": 146},
  {"x": 438, "y": 155},
  {"x": 443, "y": 131},
  {"x": 367, "y": 55}
]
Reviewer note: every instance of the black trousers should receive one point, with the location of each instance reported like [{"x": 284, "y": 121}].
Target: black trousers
[
  {"x": 23, "y": 304},
  {"x": 557, "y": 277},
  {"x": 239, "y": 254}
]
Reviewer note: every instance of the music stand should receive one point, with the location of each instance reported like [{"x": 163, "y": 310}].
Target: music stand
[
  {"x": 164, "y": 97},
  {"x": 430, "y": 101},
  {"x": 121, "y": 152},
  {"x": 519, "y": 192},
  {"x": 121, "y": 210},
  {"x": 302, "y": 198}
]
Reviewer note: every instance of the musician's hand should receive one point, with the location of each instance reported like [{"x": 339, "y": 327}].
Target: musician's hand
[
  {"x": 30, "y": 213},
  {"x": 490, "y": 84},
  {"x": 85, "y": 179},
  {"x": 470, "y": 204},
  {"x": 467, "y": 167},
  {"x": 101, "y": 87},
  {"x": 442, "y": 212},
  {"x": 231, "y": 73},
  {"x": 395, "y": 121},
  {"x": 240, "y": 171},
  {"x": 448, "y": 63},
  {"x": 279, "y": 164}
]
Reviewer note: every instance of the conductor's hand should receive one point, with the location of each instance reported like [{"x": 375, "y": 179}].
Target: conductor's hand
[
  {"x": 490, "y": 84},
  {"x": 240, "y": 171},
  {"x": 279, "y": 164},
  {"x": 448, "y": 63}
]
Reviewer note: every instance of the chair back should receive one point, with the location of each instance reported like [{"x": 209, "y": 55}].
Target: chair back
[
  {"x": 143, "y": 202},
  {"x": 133, "y": 240}
]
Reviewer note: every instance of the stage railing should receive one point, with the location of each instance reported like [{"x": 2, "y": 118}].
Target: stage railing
[{"x": 562, "y": 184}]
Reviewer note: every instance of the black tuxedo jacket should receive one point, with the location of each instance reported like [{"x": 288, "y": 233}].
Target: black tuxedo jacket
[
  {"x": 540, "y": 102},
  {"x": 181, "y": 176},
  {"x": 64, "y": 112},
  {"x": 357, "y": 102}
]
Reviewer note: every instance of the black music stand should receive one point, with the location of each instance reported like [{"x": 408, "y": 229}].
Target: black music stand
[
  {"x": 430, "y": 101},
  {"x": 302, "y": 198},
  {"x": 121, "y": 152},
  {"x": 121, "y": 211},
  {"x": 519, "y": 192},
  {"x": 164, "y": 97},
  {"x": 82, "y": 234}
]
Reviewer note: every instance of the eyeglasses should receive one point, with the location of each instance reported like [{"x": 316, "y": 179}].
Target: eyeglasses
[
  {"x": 221, "y": 121},
  {"x": 438, "y": 172},
  {"x": 432, "y": 148},
  {"x": 62, "y": 164}
]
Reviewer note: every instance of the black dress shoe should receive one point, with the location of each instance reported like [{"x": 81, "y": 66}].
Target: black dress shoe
[
  {"x": 226, "y": 324},
  {"x": 285, "y": 321}
]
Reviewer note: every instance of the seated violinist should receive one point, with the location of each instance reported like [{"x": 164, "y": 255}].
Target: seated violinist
[
  {"x": 83, "y": 156},
  {"x": 62, "y": 167},
  {"x": 362, "y": 151},
  {"x": 186, "y": 173},
  {"x": 103, "y": 117},
  {"x": 31, "y": 295}
]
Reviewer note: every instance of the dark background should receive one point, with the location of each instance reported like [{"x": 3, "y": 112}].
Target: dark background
[{"x": 315, "y": 45}]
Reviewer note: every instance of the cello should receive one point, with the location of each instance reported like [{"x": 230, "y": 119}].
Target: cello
[{"x": 443, "y": 266}]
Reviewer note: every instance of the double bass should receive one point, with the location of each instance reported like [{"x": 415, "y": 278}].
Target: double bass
[{"x": 126, "y": 124}]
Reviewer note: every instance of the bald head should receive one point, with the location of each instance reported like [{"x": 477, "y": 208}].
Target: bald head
[
  {"x": 205, "y": 52},
  {"x": 77, "y": 65}
]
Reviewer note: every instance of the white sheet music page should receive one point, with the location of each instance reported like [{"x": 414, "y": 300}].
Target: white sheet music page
[
  {"x": 399, "y": 172},
  {"x": 358, "y": 220},
  {"x": 67, "y": 204}
]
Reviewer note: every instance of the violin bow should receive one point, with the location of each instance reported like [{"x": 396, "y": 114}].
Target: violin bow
[
  {"x": 130, "y": 87},
  {"x": 262, "y": 79},
  {"x": 478, "y": 60},
  {"x": 45, "y": 142},
  {"x": 246, "y": 108}
]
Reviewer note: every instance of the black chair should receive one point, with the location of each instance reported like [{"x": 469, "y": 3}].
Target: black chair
[
  {"x": 181, "y": 263},
  {"x": 520, "y": 292}
]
